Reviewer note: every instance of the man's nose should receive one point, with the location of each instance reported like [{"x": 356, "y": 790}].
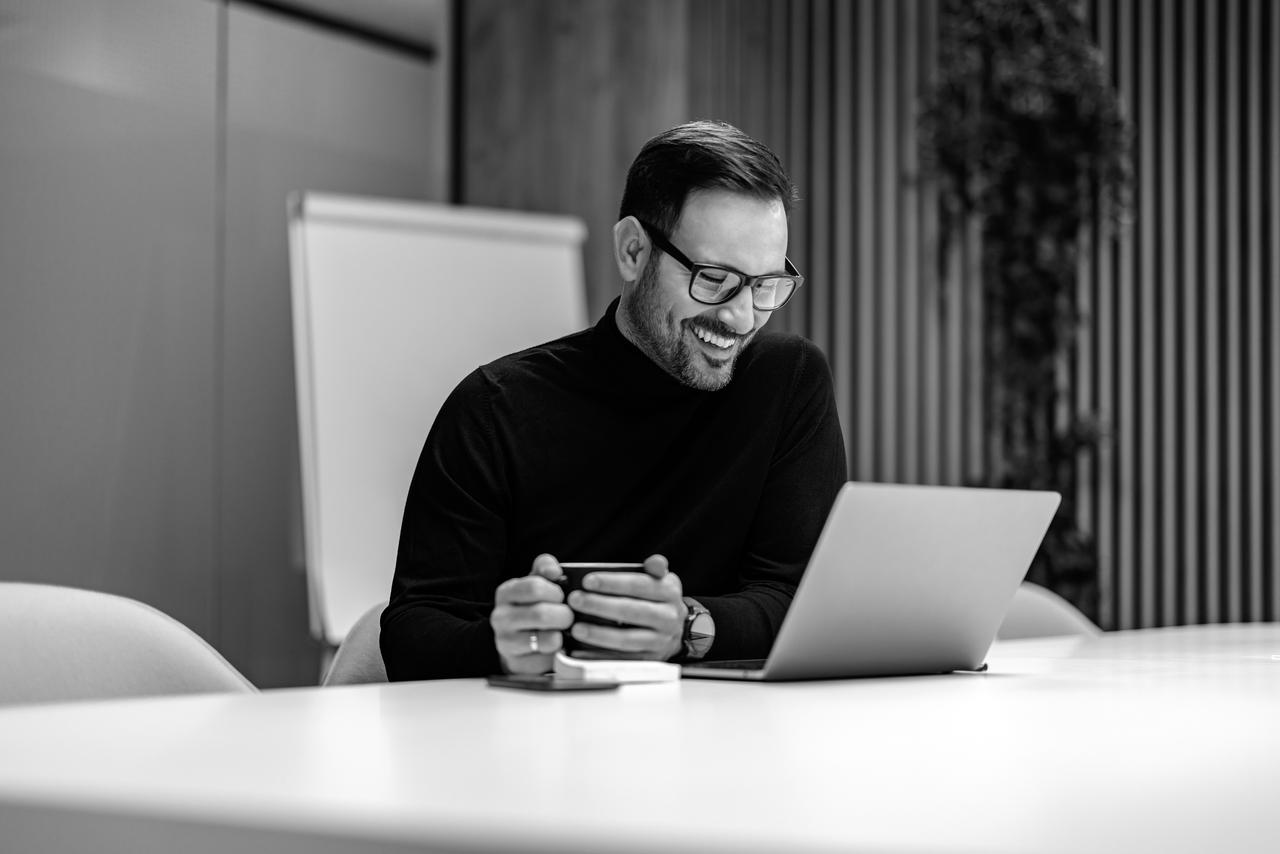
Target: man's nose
[{"x": 739, "y": 313}]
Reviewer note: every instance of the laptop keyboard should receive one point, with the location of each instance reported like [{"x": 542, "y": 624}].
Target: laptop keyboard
[{"x": 738, "y": 664}]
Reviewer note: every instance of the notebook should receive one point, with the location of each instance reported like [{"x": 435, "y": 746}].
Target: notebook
[{"x": 904, "y": 580}]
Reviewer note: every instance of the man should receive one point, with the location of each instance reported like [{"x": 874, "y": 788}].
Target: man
[{"x": 671, "y": 432}]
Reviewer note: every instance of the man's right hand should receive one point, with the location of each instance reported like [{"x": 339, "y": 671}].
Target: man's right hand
[{"x": 528, "y": 618}]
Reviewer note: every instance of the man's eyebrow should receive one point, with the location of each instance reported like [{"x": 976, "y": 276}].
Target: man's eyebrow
[
  {"x": 732, "y": 269},
  {"x": 776, "y": 272}
]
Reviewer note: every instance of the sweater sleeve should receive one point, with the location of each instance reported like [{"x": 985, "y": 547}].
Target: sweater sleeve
[
  {"x": 452, "y": 543},
  {"x": 806, "y": 473}
]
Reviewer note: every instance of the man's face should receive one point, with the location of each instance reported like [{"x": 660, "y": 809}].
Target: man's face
[{"x": 699, "y": 344}]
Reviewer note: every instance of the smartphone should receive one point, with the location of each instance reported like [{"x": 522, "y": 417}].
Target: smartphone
[{"x": 548, "y": 682}]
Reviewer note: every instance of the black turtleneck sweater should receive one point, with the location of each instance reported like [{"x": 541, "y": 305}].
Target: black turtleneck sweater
[{"x": 585, "y": 449}]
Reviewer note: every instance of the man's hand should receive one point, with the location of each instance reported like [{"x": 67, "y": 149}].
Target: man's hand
[
  {"x": 528, "y": 617},
  {"x": 648, "y": 601}
]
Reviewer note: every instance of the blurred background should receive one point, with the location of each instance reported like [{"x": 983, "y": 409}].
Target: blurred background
[{"x": 1125, "y": 173}]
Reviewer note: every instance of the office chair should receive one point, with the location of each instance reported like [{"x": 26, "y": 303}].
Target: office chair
[
  {"x": 1038, "y": 612},
  {"x": 359, "y": 657},
  {"x": 64, "y": 643}
]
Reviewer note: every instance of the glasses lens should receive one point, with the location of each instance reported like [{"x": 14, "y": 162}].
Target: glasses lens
[
  {"x": 768, "y": 294},
  {"x": 714, "y": 285}
]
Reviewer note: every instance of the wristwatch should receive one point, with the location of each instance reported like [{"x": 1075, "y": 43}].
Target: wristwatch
[{"x": 699, "y": 630}]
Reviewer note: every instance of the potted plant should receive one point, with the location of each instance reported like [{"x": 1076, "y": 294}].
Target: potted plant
[{"x": 1024, "y": 131}]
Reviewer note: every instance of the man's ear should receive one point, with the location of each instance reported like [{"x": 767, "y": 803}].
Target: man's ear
[{"x": 630, "y": 248}]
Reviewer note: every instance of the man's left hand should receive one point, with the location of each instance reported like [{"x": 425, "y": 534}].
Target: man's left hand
[{"x": 648, "y": 602}]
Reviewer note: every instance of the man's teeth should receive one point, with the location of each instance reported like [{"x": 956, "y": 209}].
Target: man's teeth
[{"x": 711, "y": 338}]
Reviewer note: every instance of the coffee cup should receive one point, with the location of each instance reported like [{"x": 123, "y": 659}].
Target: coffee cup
[{"x": 574, "y": 574}]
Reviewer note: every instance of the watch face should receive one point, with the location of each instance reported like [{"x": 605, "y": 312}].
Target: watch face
[
  {"x": 699, "y": 630},
  {"x": 697, "y": 646}
]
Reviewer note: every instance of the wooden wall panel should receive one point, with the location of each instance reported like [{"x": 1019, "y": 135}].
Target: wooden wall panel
[
  {"x": 1177, "y": 358},
  {"x": 866, "y": 232},
  {"x": 556, "y": 99},
  {"x": 1185, "y": 491}
]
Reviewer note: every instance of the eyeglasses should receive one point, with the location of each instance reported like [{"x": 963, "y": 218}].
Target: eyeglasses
[{"x": 712, "y": 285}]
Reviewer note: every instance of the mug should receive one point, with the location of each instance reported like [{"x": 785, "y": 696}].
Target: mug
[{"x": 574, "y": 573}]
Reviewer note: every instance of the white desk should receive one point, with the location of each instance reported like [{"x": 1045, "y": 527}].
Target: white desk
[{"x": 1163, "y": 741}]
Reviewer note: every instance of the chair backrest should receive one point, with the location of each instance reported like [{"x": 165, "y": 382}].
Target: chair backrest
[
  {"x": 1039, "y": 612},
  {"x": 359, "y": 657},
  {"x": 393, "y": 304},
  {"x": 63, "y": 643}
]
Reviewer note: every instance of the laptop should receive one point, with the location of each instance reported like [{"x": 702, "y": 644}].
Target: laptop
[{"x": 904, "y": 580}]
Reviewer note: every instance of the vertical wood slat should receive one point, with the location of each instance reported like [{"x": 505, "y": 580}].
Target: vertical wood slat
[
  {"x": 1192, "y": 487},
  {"x": 1209, "y": 451},
  {"x": 887, "y": 269},
  {"x": 970, "y": 336},
  {"x": 1233, "y": 529},
  {"x": 910, "y": 380},
  {"x": 950, "y": 313},
  {"x": 1271, "y": 519},
  {"x": 1124, "y": 568},
  {"x": 926, "y": 220},
  {"x": 1253, "y": 460},
  {"x": 1081, "y": 403},
  {"x": 1104, "y": 400},
  {"x": 1144, "y": 429},
  {"x": 1168, "y": 565},
  {"x": 801, "y": 82},
  {"x": 845, "y": 283},
  {"x": 819, "y": 188},
  {"x": 1084, "y": 367},
  {"x": 865, "y": 456}
]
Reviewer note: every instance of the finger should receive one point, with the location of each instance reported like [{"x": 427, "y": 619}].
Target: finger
[
  {"x": 637, "y": 585},
  {"x": 644, "y": 642},
  {"x": 546, "y": 566},
  {"x": 643, "y": 613},
  {"x": 532, "y": 643},
  {"x": 510, "y": 620},
  {"x": 656, "y": 565},
  {"x": 540, "y": 663},
  {"x": 529, "y": 652},
  {"x": 527, "y": 590}
]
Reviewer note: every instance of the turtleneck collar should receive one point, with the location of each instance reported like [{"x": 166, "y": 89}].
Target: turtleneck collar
[{"x": 631, "y": 370}]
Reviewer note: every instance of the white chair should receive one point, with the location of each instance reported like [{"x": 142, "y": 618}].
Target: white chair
[
  {"x": 1038, "y": 612},
  {"x": 63, "y": 643},
  {"x": 359, "y": 657}
]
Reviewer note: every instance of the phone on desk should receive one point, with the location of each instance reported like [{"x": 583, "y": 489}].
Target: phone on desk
[{"x": 549, "y": 682}]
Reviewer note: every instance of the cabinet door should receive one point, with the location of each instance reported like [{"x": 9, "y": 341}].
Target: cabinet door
[
  {"x": 306, "y": 110},
  {"x": 108, "y": 223}
]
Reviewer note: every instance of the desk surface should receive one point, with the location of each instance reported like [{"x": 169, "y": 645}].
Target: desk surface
[{"x": 1162, "y": 740}]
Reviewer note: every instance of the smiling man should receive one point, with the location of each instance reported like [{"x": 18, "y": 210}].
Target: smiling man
[
  {"x": 673, "y": 434},
  {"x": 675, "y": 329}
]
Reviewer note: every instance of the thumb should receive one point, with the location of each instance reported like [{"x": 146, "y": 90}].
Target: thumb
[
  {"x": 546, "y": 566},
  {"x": 656, "y": 565}
]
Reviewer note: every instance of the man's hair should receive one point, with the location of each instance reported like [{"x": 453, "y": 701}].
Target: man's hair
[{"x": 702, "y": 155}]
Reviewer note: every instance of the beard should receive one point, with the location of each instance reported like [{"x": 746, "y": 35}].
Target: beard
[{"x": 671, "y": 344}]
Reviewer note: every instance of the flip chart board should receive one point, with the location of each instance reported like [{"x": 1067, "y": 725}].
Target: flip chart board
[{"x": 393, "y": 304}]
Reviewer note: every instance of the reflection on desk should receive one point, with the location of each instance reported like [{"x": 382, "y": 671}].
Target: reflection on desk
[{"x": 1161, "y": 740}]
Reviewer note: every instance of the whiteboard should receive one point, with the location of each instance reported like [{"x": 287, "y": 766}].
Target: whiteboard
[{"x": 393, "y": 304}]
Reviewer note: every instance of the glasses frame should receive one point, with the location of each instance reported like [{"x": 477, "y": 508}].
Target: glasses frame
[{"x": 694, "y": 267}]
